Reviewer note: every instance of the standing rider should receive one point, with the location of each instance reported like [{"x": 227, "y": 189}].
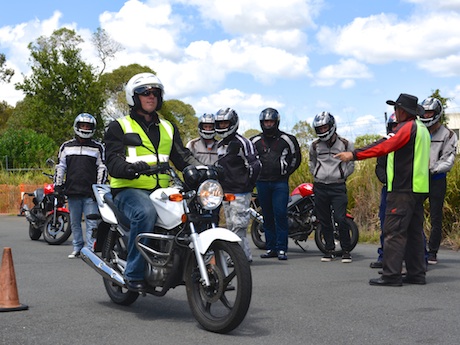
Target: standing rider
[
  {"x": 204, "y": 148},
  {"x": 161, "y": 144}
]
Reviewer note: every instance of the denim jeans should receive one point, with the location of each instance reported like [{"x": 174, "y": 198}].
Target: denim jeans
[
  {"x": 273, "y": 198},
  {"x": 79, "y": 206},
  {"x": 136, "y": 205}
]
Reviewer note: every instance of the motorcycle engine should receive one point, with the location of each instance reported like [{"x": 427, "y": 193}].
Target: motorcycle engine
[
  {"x": 156, "y": 275},
  {"x": 301, "y": 223}
]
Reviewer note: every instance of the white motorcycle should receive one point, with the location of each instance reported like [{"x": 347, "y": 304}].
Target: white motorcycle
[{"x": 186, "y": 247}]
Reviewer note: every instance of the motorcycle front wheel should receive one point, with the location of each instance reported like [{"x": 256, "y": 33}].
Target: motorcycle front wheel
[
  {"x": 257, "y": 232},
  {"x": 354, "y": 237},
  {"x": 222, "y": 306},
  {"x": 114, "y": 248},
  {"x": 57, "y": 232},
  {"x": 34, "y": 233}
]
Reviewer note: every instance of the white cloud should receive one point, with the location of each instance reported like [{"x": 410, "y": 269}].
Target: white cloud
[
  {"x": 347, "y": 70},
  {"x": 242, "y": 17},
  {"x": 385, "y": 38}
]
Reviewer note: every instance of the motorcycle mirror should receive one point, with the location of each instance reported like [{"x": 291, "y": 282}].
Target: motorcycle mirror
[{"x": 132, "y": 139}]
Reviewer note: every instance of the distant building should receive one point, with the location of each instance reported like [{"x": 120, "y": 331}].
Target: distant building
[{"x": 453, "y": 122}]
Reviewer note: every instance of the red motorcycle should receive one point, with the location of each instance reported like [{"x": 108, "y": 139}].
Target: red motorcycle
[
  {"x": 302, "y": 221},
  {"x": 48, "y": 215}
]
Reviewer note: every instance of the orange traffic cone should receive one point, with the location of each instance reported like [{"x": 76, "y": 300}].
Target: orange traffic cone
[{"x": 9, "y": 300}]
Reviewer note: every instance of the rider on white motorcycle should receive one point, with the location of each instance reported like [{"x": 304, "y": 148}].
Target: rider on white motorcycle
[{"x": 161, "y": 143}]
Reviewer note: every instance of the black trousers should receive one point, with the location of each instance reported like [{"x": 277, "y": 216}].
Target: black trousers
[
  {"x": 436, "y": 199},
  {"x": 403, "y": 236},
  {"x": 333, "y": 196}
]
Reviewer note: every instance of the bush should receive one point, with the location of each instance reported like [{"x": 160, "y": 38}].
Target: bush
[{"x": 25, "y": 149}]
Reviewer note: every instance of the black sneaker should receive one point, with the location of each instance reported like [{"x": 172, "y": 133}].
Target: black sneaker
[
  {"x": 432, "y": 259},
  {"x": 346, "y": 257},
  {"x": 327, "y": 257},
  {"x": 282, "y": 255},
  {"x": 376, "y": 264},
  {"x": 269, "y": 254}
]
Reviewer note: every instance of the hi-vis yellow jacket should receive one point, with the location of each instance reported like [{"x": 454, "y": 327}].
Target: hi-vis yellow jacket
[{"x": 147, "y": 154}]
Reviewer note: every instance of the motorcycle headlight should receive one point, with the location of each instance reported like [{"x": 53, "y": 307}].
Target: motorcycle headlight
[{"x": 210, "y": 194}]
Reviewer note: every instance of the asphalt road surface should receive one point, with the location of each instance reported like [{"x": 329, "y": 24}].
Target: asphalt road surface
[{"x": 299, "y": 301}]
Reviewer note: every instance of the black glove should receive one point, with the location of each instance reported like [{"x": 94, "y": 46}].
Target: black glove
[
  {"x": 233, "y": 148},
  {"x": 133, "y": 169},
  {"x": 59, "y": 189}
]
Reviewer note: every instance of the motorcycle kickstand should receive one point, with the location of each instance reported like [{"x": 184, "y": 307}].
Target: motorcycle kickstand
[{"x": 297, "y": 242}]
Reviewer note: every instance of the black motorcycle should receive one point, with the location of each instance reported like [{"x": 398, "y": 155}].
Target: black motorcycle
[
  {"x": 302, "y": 221},
  {"x": 48, "y": 215}
]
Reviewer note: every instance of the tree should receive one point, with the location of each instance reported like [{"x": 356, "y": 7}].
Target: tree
[
  {"x": 25, "y": 148},
  {"x": 183, "y": 116},
  {"x": 60, "y": 87},
  {"x": 114, "y": 86},
  {"x": 436, "y": 94},
  {"x": 366, "y": 139},
  {"x": 5, "y": 73},
  {"x": 5, "y": 113},
  {"x": 106, "y": 47},
  {"x": 304, "y": 134},
  {"x": 250, "y": 133}
]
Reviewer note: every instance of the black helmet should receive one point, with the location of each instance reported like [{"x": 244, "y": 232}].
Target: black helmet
[
  {"x": 391, "y": 123},
  {"x": 269, "y": 114},
  {"x": 226, "y": 115},
  {"x": 207, "y": 119},
  {"x": 321, "y": 119},
  {"x": 431, "y": 104}
]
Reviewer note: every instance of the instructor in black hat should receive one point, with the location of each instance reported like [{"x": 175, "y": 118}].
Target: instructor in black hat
[{"x": 408, "y": 152}]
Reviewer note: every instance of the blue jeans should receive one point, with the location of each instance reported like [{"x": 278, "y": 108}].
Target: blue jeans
[
  {"x": 273, "y": 198},
  {"x": 136, "y": 205},
  {"x": 79, "y": 206}
]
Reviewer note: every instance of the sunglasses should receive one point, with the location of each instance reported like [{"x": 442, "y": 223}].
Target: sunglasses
[{"x": 147, "y": 91}]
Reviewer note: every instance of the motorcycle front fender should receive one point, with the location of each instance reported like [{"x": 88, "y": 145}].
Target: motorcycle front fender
[{"x": 207, "y": 237}]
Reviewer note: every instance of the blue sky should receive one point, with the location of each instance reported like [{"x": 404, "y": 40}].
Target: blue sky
[{"x": 299, "y": 56}]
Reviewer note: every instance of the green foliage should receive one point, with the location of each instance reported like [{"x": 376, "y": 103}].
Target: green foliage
[
  {"x": 366, "y": 139},
  {"x": 25, "y": 148},
  {"x": 183, "y": 116},
  {"x": 5, "y": 73},
  {"x": 305, "y": 134},
  {"x": 114, "y": 86},
  {"x": 60, "y": 87},
  {"x": 250, "y": 133},
  {"x": 5, "y": 113}
]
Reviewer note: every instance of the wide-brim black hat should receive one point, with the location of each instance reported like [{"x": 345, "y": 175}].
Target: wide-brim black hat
[{"x": 409, "y": 103}]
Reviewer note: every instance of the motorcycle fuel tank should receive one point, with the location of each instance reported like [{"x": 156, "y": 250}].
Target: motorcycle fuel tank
[
  {"x": 169, "y": 212},
  {"x": 304, "y": 189}
]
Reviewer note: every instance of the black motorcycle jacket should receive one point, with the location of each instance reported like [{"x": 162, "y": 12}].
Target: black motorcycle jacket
[
  {"x": 117, "y": 165},
  {"x": 240, "y": 163},
  {"x": 279, "y": 154},
  {"x": 81, "y": 164}
]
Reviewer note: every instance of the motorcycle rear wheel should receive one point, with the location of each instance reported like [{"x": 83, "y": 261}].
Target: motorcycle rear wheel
[
  {"x": 221, "y": 307},
  {"x": 257, "y": 232},
  {"x": 112, "y": 248},
  {"x": 34, "y": 233},
  {"x": 354, "y": 237},
  {"x": 59, "y": 232}
]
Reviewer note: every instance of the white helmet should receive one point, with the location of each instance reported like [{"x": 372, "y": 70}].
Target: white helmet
[
  {"x": 207, "y": 119},
  {"x": 84, "y": 133},
  {"x": 431, "y": 104},
  {"x": 140, "y": 83}
]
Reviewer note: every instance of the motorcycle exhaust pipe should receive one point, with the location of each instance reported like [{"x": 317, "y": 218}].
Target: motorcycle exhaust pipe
[{"x": 95, "y": 262}]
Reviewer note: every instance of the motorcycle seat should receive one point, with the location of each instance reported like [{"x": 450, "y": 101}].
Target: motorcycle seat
[{"x": 122, "y": 219}]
